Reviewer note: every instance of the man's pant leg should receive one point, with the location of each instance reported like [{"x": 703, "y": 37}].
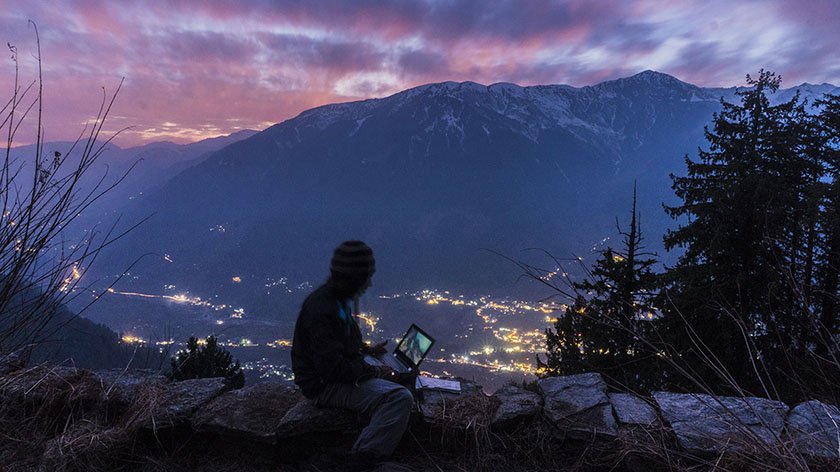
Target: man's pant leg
[{"x": 387, "y": 403}]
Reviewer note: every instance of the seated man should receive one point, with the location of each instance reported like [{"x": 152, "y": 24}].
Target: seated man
[{"x": 328, "y": 356}]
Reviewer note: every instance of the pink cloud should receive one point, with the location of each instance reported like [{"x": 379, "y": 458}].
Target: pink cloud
[{"x": 212, "y": 66}]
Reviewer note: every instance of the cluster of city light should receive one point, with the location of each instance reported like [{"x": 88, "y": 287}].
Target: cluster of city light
[
  {"x": 550, "y": 275},
  {"x": 492, "y": 365},
  {"x": 506, "y": 355},
  {"x": 519, "y": 341},
  {"x": 129, "y": 339},
  {"x": 75, "y": 275},
  {"x": 483, "y": 304},
  {"x": 266, "y": 369},
  {"x": 132, "y": 339},
  {"x": 182, "y": 298},
  {"x": 244, "y": 342},
  {"x": 369, "y": 321},
  {"x": 508, "y": 350},
  {"x": 281, "y": 282}
]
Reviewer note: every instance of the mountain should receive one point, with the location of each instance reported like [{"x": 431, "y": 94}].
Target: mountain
[
  {"x": 144, "y": 168},
  {"x": 66, "y": 338},
  {"x": 431, "y": 177}
]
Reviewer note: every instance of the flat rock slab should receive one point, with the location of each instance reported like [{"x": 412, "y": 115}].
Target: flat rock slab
[
  {"x": 305, "y": 417},
  {"x": 632, "y": 410},
  {"x": 120, "y": 386},
  {"x": 516, "y": 405},
  {"x": 178, "y": 401},
  {"x": 578, "y": 404},
  {"x": 705, "y": 424},
  {"x": 253, "y": 412},
  {"x": 814, "y": 428},
  {"x": 434, "y": 405}
]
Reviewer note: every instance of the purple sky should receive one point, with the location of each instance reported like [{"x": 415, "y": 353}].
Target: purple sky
[{"x": 201, "y": 69}]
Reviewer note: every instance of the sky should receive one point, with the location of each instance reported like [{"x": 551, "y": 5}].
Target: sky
[{"x": 199, "y": 69}]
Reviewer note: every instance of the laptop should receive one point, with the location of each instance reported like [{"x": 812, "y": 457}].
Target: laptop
[{"x": 409, "y": 353}]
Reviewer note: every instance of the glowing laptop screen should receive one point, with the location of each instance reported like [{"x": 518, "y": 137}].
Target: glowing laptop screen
[{"x": 414, "y": 345}]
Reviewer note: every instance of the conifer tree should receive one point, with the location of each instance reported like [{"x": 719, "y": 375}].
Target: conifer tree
[
  {"x": 609, "y": 327},
  {"x": 737, "y": 286},
  {"x": 565, "y": 342},
  {"x": 209, "y": 360},
  {"x": 826, "y": 300}
]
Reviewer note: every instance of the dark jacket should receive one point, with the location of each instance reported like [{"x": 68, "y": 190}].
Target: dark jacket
[{"x": 325, "y": 348}]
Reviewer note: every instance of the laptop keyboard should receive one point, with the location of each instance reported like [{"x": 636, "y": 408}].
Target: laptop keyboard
[{"x": 392, "y": 361}]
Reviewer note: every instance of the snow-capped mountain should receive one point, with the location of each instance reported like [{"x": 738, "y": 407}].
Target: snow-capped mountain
[{"x": 430, "y": 177}]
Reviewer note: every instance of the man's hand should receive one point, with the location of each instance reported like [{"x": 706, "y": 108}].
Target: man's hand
[
  {"x": 378, "y": 349},
  {"x": 385, "y": 372}
]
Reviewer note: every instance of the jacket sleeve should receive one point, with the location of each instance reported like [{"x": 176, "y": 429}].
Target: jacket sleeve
[{"x": 331, "y": 363}]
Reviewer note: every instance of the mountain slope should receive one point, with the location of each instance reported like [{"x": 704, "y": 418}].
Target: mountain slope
[{"x": 430, "y": 177}]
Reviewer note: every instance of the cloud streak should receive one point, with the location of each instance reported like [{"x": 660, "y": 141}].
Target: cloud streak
[{"x": 216, "y": 67}]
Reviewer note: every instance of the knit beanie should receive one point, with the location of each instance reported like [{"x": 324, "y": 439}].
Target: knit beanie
[{"x": 353, "y": 259}]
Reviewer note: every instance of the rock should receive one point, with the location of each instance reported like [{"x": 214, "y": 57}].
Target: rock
[
  {"x": 119, "y": 386},
  {"x": 814, "y": 428},
  {"x": 305, "y": 418},
  {"x": 578, "y": 404},
  {"x": 516, "y": 405},
  {"x": 253, "y": 412},
  {"x": 434, "y": 404},
  {"x": 639, "y": 424},
  {"x": 178, "y": 400},
  {"x": 632, "y": 410},
  {"x": 705, "y": 424}
]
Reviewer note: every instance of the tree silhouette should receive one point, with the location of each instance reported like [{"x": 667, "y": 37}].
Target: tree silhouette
[
  {"x": 204, "y": 360},
  {"x": 607, "y": 327}
]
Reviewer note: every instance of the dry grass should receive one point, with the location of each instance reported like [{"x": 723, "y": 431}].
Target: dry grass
[
  {"x": 64, "y": 424},
  {"x": 61, "y": 421}
]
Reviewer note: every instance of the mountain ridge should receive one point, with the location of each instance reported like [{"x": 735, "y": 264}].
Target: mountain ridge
[{"x": 430, "y": 176}]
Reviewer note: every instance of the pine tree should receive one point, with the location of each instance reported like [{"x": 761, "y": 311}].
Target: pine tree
[
  {"x": 209, "y": 360},
  {"x": 748, "y": 241},
  {"x": 828, "y": 310},
  {"x": 564, "y": 343},
  {"x": 609, "y": 327}
]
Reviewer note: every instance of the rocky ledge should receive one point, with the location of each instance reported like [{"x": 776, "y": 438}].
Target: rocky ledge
[{"x": 275, "y": 419}]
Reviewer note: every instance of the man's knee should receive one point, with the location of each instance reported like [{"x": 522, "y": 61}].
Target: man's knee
[{"x": 402, "y": 399}]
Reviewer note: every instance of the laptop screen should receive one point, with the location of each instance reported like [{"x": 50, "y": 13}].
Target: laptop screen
[{"x": 414, "y": 345}]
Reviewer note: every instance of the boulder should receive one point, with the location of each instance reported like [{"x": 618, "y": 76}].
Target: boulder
[
  {"x": 578, "y": 405},
  {"x": 814, "y": 428},
  {"x": 120, "y": 386},
  {"x": 305, "y": 418},
  {"x": 632, "y": 410},
  {"x": 705, "y": 424},
  {"x": 252, "y": 413},
  {"x": 435, "y": 405},
  {"x": 516, "y": 405},
  {"x": 639, "y": 425},
  {"x": 177, "y": 401}
]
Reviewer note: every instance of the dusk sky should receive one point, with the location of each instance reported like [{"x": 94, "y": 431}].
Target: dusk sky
[{"x": 200, "y": 69}]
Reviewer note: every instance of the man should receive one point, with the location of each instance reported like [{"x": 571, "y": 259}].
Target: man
[{"x": 328, "y": 356}]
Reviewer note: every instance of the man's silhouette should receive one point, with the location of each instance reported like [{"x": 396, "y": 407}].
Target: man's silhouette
[{"x": 328, "y": 356}]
